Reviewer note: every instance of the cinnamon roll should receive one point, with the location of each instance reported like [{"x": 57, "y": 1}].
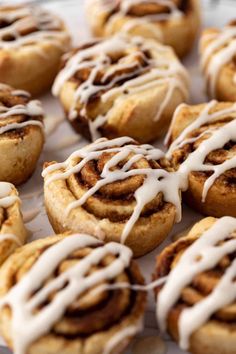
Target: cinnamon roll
[
  {"x": 12, "y": 230},
  {"x": 115, "y": 190},
  {"x": 172, "y": 22},
  {"x": 196, "y": 305},
  {"x": 70, "y": 294},
  {"x": 203, "y": 153},
  {"x": 32, "y": 41},
  {"x": 121, "y": 86},
  {"x": 21, "y": 134},
  {"x": 218, "y": 61}
]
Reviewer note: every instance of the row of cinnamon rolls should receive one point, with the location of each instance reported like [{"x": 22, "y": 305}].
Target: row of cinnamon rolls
[
  {"x": 128, "y": 83},
  {"x": 72, "y": 293},
  {"x": 120, "y": 187}
]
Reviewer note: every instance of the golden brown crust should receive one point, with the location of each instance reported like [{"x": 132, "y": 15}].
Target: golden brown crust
[
  {"x": 106, "y": 213},
  {"x": 32, "y": 66},
  {"x": 218, "y": 334},
  {"x": 11, "y": 223},
  {"x": 178, "y": 33},
  {"x": 130, "y": 112},
  {"x": 225, "y": 88},
  {"x": 221, "y": 198},
  {"x": 90, "y": 321},
  {"x": 19, "y": 148}
]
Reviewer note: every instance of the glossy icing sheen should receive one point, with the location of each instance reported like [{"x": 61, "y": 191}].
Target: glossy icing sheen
[
  {"x": 156, "y": 180},
  {"x": 47, "y": 28},
  {"x": 204, "y": 254},
  {"x": 218, "y": 138},
  {"x": 28, "y": 325},
  {"x": 32, "y": 108},
  {"x": 126, "y": 6},
  {"x": 97, "y": 58},
  {"x": 219, "y": 52},
  {"x": 6, "y": 199}
]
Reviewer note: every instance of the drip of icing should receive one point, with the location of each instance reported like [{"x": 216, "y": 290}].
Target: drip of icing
[
  {"x": 47, "y": 28},
  {"x": 28, "y": 325},
  {"x": 6, "y": 199},
  {"x": 32, "y": 108},
  {"x": 219, "y": 52},
  {"x": 196, "y": 160},
  {"x": 204, "y": 254},
  {"x": 136, "y": 287},
  {"x": 158, "y": 72},
  {"x": 14, "y": 238},
  {"x": 20, "y": 93},
  {"x": 156, "y": 181},
  {"x": 121, "y": 337}
]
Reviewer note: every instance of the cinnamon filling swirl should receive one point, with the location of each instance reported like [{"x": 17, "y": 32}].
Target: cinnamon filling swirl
[
  {"x": 18, "y": 113},
  {"x": 142, "y": 8},
  {"x": 107, "y": 73},
  {"x": 21, "y": 26},
  {"x": 74, "y": 275},
  {"x": 208, "y": 257},
  {"x": 117, "y": 180},
  {"x": 206, "y": 147}
]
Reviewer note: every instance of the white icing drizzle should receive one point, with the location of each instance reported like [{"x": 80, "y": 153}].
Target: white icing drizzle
[
  {"x": 174, "y": 13},
  {"x": 31, "y": 109},
  {"x": 219, "y": 52},
  {"x": 49, "y": 28},
  {"x": 204, "y": 254},
  {"x": 121, "y": 337},
  {"x": 218, "y": 138},
  {"x": 28, "y": 325},
  {"x": 6, "y": 199},
  {"x": 156, "y": 181},
  {"x": 135, "y": 287},
  {"x": 4, "y": 87},
  {"x": 20, "y": 93},
  {"x": 157, "y": 72}
]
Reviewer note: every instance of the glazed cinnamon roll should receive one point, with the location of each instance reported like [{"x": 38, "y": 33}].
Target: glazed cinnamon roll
[
  {"x": 218, "y": 53},
  {"x": 21, "y": 134},
  {"x": 196, "y": 305},
  {"x": 172, "y": 22},
  {"x": 70, "y": 294},
  {"x": 115, "y": 190},
  {"x": 121, "y": 86},
  {"x": 32, "y": 41},
  {"x": 12, "y": 230},
  {"x": 203, "y": 152}
]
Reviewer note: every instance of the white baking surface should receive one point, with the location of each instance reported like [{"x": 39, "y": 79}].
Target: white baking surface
[{"x": 72, "y": 12}]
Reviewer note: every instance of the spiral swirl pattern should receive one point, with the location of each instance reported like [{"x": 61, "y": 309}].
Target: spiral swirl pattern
[
  {"x": 118, "y": 191},
  {"x": 89, "y": 322},
  {"x": 201, "y": 285}
]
